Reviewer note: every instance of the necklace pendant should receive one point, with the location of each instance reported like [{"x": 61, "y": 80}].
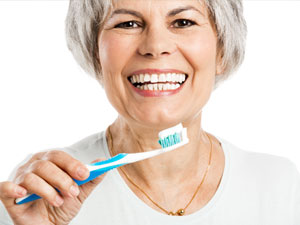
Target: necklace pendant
[
  {"x": 172, "y": 214},
  {"x": 180, "y": 212}
]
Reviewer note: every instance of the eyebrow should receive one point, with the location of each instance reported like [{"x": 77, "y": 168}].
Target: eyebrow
[
  {"x": 126, "y": 11},
  {"x": 182, "y": 9},
  {"x": 173, "y": 12}
]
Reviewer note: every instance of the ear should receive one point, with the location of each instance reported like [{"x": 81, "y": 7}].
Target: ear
[
  {"x": 220, "y": 67},
  {"x": 96, "y": 53},
  {"x": 97, "y": 47},
  {"x": 97, "y": 62},
  {"x": 97, "y": 69}
]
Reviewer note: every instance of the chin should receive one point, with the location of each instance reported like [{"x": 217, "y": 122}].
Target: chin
[{"x": 160, "y": 120}]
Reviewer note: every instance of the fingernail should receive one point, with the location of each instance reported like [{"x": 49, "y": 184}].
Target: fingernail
[
  {"x": 82, "y": 172},
  {"x": 20, "y": 190},
  {"x": 74, "y": 190},
  {"x": 59, "y": 201}
]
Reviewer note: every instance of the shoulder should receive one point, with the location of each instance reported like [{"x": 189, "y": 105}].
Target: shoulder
[
  {"x": 271, "y": 181},
  {"x": 89, "y": 148},
  {"x": 262, "y": 168}
]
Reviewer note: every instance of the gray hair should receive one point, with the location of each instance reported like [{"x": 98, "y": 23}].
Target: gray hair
[{"x": 85, "y": 18}]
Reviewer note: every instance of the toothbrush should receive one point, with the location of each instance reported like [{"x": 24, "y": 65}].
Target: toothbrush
[{"x": 169, "y": 139}]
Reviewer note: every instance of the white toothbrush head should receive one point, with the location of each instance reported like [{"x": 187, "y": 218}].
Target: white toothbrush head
[{"x": 173, "y": 136}]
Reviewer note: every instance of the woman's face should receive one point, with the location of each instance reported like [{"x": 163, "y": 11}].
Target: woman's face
[{"x": 158, "y": 59}]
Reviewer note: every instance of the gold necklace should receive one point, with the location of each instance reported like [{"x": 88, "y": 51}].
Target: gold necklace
[{"x": 181, "y": 211}]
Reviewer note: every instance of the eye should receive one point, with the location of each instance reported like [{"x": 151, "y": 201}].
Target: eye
[
  {"x": 128, "y": 25},
  {"x": 183, "y": 23}
]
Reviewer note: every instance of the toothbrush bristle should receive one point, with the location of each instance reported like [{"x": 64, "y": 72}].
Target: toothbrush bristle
[
  {"x": 170, "y": 140},
  {"x": 173, "y": 136}
]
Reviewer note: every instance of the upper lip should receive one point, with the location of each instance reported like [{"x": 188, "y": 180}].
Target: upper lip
[{"x": 156, "y": 71}]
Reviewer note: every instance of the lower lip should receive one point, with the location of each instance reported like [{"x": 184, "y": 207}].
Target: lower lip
[{"x": 149, "y": 93}]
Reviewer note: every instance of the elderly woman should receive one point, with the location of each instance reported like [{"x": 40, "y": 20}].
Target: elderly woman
[{"x": 159, "y": 62}]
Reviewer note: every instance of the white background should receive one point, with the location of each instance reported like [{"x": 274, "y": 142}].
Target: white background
[{"x": 46, "y": 101}]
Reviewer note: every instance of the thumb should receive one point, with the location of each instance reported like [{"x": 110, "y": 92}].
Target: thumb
[{"x": 87, "y": 188}]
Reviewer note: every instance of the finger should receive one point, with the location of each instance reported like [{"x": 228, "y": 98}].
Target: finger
[
  {"x": 97, "y": 180},
  {"x": 35, "y": 184},
  {"x": 87, "y": 188},
  {"x": 56, "y": 177},
  {"x": 20, "y": 170},
  {"x": 9, "y": 191},
  {"x": 72, "y": 166}
]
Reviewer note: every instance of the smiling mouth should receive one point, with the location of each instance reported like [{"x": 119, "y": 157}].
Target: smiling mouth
[{"x": 158, "y": 82}]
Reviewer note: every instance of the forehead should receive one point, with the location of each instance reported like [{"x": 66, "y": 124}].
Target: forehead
[{"x": 159, "y": 6}]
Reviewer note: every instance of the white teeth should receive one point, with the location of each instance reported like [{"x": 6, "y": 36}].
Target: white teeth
[
  {"x": 147, "y": 78},
  {"x": 141, "y": 78},
  {"x": 162, "y": 78},
  {"x": 150, "y": 87},
  {"x": 178, "y": 77},
  {"x": 181, "y": 78},
  {"x": 160, "y": 86},
  {"x": 158, "y": 81},
  {"x": 174, "y": 76},
  {"x": 169, "y": 77},
  {"x": 154, "y": 78}
]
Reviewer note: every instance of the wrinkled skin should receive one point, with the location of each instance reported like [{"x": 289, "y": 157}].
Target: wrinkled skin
[{"x": 46, "y": 211}]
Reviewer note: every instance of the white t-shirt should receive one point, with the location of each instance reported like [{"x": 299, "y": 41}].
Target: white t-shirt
[{"x": 256, "y": 189}]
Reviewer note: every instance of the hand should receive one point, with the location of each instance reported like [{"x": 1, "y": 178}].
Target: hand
[{"x": 43, "y": 173}]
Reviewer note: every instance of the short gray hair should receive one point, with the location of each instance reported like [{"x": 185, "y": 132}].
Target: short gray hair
[{"x": 85, "y": 18}]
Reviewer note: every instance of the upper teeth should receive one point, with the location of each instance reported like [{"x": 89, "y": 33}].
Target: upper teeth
[{"x": 154, "y": 78}]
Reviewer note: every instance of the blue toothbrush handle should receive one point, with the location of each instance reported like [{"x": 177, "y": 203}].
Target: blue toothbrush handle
[
  {"x": 96, "y": 173},
  {"x": 93, "y": 174}
]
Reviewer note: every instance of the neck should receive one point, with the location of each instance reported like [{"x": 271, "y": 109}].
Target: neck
[{"x": 172, "y": 167}]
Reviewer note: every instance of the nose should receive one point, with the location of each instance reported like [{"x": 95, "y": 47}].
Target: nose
[{"x": 156, "y": 42}]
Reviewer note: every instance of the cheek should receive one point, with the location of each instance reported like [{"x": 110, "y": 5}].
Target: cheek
[
  {"x": 201, "y": 52},
  {"x": 113, "y": 53}
]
